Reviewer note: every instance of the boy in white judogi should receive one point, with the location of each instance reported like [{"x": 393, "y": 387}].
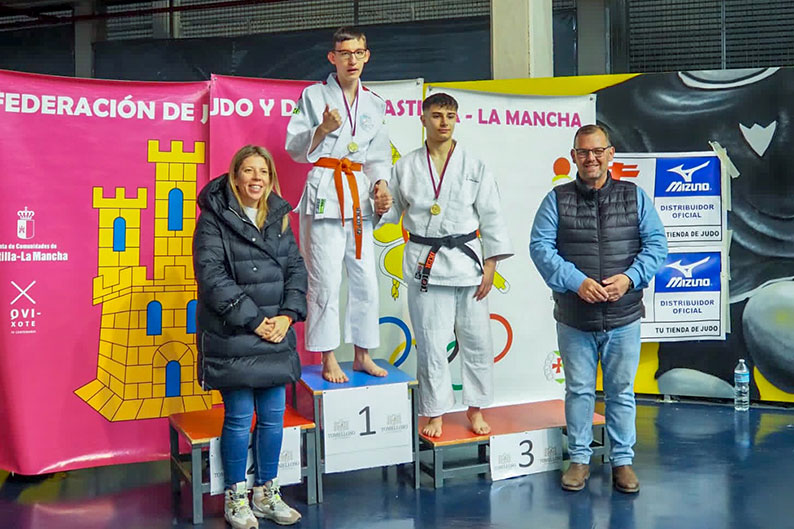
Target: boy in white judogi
[
  {"x": 447, "y": 196},
  {"x": 338, "y": 126}
]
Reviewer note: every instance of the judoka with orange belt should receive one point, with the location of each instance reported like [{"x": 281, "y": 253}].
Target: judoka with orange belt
[
  {"x": 338, "y": 126},
  {"x": 452, "y": 211}
]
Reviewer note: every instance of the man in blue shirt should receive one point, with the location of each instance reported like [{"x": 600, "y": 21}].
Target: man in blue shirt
[{"x": 597, "y": 242}]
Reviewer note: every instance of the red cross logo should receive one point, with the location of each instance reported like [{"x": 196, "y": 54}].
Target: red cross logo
[{"x": 557, "y": 366}]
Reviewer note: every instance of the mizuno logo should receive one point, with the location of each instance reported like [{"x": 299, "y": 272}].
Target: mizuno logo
[
  {"x": 680, "y": 282},
  {"x": 686, "y": 174},
  {"x": 686, "y": 186},
  {"x": 687, "y": 270}
]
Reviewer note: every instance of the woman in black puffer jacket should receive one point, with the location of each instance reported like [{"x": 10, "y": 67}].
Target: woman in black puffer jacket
[{"x": 251, "y": 288}]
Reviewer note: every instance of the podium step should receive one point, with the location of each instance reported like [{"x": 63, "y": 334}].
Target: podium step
[
  {"x": 202, "y": 426},
  {"x": 321, "y": 391},
  {"x": 503, "y": 420},
  {"x": 197, "y": 428}
]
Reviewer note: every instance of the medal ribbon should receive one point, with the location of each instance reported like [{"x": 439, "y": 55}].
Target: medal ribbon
[
  {"x": 437, "y": 189},
  {"x": 354, "y": 118}
]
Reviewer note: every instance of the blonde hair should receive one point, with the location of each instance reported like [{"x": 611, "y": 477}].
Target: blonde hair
[{"x": 234, "y": 168}]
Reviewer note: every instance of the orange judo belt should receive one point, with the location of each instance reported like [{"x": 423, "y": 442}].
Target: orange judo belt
[{"x": 346, "y": 166}]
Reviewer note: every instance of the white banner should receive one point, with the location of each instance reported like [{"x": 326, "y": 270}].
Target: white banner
[
  {"x": 403, "y": 108},
  {"x": 522, "y": 453},
  {"x": 525, "y": 141},
  {"x": 367, "y": 427},
  {"x": 289, "y": 462}
]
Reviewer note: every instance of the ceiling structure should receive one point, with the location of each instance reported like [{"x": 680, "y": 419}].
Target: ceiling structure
[{"x": 19, "y": 14}]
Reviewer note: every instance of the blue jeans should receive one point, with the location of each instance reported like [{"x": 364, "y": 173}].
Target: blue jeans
[
  {"x": 620, "y": 355},
  {"x": 239, "y": 412}
]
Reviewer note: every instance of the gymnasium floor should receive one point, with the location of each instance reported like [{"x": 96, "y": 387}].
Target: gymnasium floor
[{"x": 701, "y": 466}]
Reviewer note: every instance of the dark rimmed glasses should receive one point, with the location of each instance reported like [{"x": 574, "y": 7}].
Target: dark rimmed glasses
[
  {"x": 598, "y": 152},
  {"x": 347, "y": 55}
]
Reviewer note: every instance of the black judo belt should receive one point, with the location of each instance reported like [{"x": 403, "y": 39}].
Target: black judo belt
[{"x": 435, "y": 243}]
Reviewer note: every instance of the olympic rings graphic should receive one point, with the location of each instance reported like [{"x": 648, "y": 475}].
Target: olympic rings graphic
[
  {"x": 405, "y": 347},
  {"x": 509, "y": 331},
  {"x": 397, "y": 350},
  {"x": 455, "y": 349},
  {"x": 401, "y": 352},
  {"x": 502, "y": 354},
  {"x": 451, "y": 345}
]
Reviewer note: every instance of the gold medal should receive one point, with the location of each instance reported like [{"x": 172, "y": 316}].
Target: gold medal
[
  {"x": 435, "y": 209},
  {"x": 352, "y": 146}
]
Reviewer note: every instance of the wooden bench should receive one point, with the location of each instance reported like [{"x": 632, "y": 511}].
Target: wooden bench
[
  {"x": 503, "y": 420},
  {"x": 198, "y": 428}
]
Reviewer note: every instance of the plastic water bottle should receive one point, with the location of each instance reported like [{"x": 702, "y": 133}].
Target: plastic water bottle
[{"x": 741, "y": 387}]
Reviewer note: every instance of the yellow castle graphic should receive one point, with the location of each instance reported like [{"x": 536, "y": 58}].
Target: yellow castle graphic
[{"x": 147, "y": 342}]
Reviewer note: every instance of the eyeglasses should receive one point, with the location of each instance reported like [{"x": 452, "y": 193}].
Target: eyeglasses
[
  {"x": 598, "y": 152},
  {"x": 346, "y": 55}
]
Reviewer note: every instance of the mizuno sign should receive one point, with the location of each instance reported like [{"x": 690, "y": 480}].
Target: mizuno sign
[
  {"x": 690, "y": 272},
  {"x": 688, "y": 176}
]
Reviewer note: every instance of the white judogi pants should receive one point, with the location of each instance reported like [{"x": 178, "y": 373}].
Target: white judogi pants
[
  {"x": 326, "y": 245},
  {"x": 435, "y": 314}
]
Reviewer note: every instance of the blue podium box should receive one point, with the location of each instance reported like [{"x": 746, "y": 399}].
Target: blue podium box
[
  {"x": 312, "y": 380},
  {"x": 312, "y": 377}
]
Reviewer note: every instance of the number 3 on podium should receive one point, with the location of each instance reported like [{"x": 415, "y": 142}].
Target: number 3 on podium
[{"x": 528, "y": 453}]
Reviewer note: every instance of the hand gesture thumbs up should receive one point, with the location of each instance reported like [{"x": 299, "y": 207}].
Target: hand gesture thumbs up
[{"x": 331, "y": 120}]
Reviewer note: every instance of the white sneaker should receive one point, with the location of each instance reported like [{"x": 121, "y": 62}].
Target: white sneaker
[
  {"x": 267, "y": 503},
  {"x": 236, "y": 509}
]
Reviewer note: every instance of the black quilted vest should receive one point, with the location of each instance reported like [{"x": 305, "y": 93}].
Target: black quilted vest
[{"x": 598, "y": 231}]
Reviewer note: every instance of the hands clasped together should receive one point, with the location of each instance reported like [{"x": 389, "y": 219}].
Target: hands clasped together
[
  {"x": 613, "y": 289},
  {"x": 274, "y": 329},
  {"x": 382, "y": 196}
]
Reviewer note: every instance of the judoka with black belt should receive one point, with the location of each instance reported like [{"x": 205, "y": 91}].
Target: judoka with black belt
[{"x": 452, "y": 212}]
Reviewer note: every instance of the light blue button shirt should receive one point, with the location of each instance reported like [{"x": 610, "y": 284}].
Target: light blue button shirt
[{"x": 561, "y": 275}]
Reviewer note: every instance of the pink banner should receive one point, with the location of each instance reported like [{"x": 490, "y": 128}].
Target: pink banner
[
  {"x": 96, "y": 274},
  {"x": 96, "y": 281},
  {"x": 256, "y": 111}
]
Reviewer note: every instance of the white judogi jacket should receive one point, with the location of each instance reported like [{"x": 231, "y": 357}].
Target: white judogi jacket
[
  {"x": 469, "y": 200},
  {"x": 319, "y": 197}
]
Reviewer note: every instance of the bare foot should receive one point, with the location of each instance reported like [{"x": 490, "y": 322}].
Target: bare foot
[
  {"x": 364, "y": 362},
  {"x": 433, "y": 427},
  {"x": 478, "y": 424},
  {"x": 331, "y": 370}
]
